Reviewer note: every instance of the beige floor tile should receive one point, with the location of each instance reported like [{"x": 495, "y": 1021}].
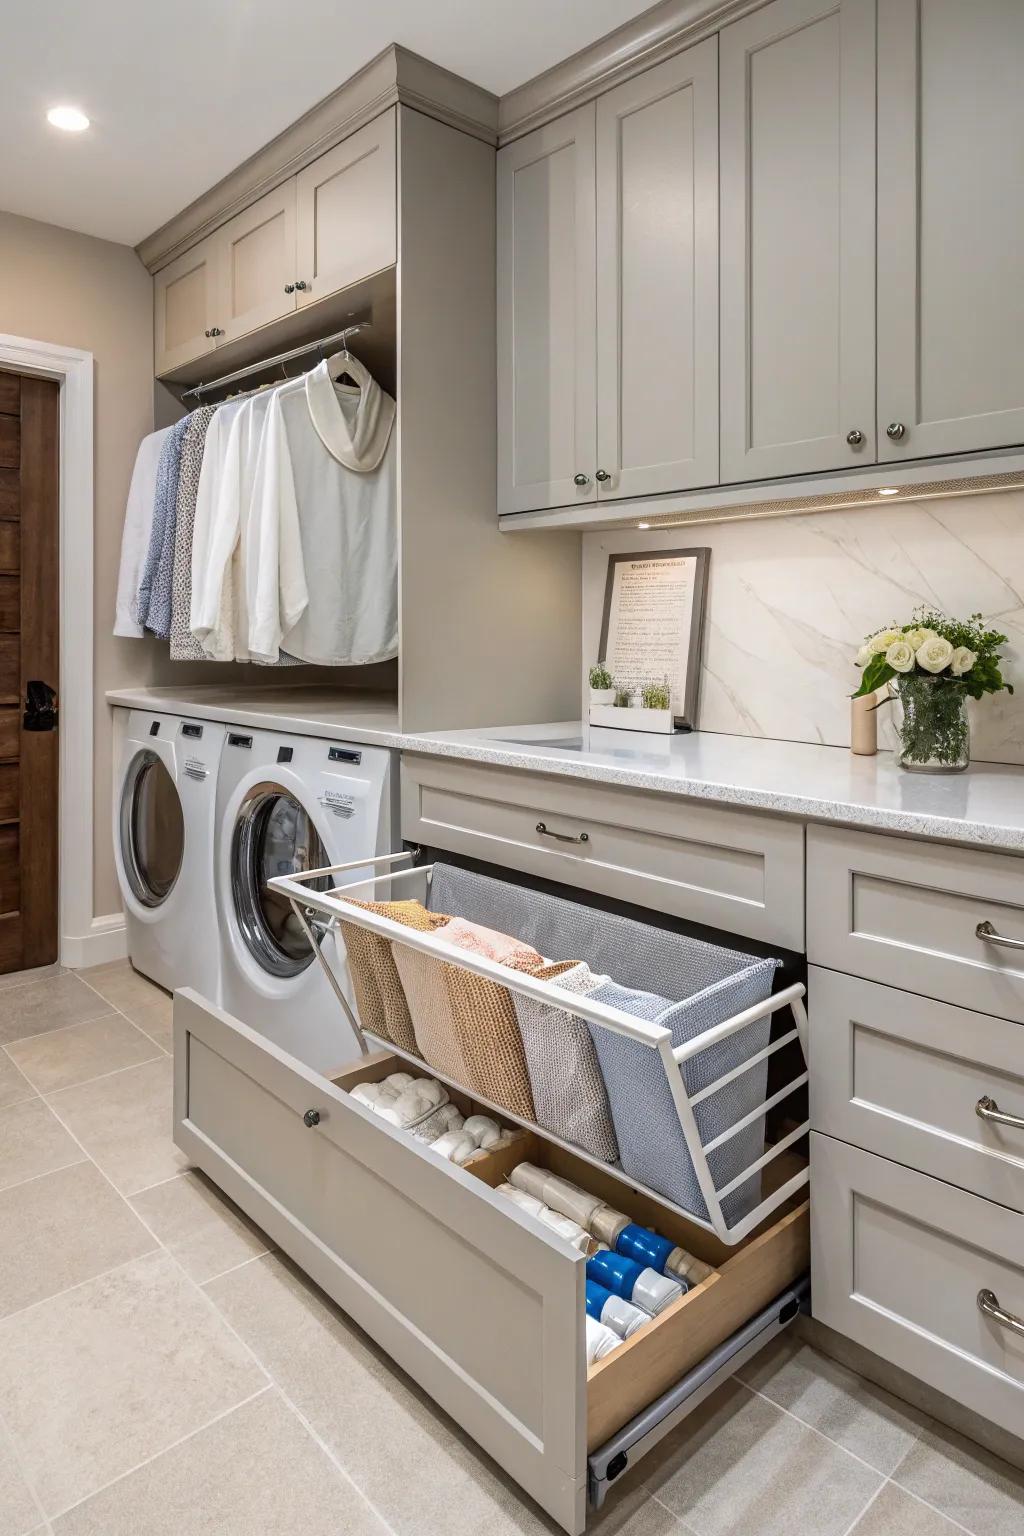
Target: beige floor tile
[
  {"x": 124, "y": 1123},
  {"x": 978, "y": 1491},
  {"x": 740, "y": 1466},
  {"x": 398, "y": 1447},
  {"x": 14, "y": 1086},
  {"x": 19, "y": 1512},
  {"x": 257, "y": 1472},
  {"x": 895, "y": 1513},
  {"x": 203, "y": 1229},
  {"x": 81, "y": 1052},
  {"x": 858, "y": 1416},
  {"x": 37, "y": 973},
  {"x": 39, "y": 1006},
  {"x": 132, "y": 1361},
  {"x": 32, "y": 1141},
  {"x": 124, "y": 988},
  {"x": 154, "y": 1019},
  {"x": 60, "y": 1230}
]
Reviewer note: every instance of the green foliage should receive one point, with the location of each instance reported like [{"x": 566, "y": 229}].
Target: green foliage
[
  {"x": 655, "y": 696},
  {"x": 600, "y": 677}
]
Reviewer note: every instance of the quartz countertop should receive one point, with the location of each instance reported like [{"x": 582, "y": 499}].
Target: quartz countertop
[{"x": 983, "y": 807}]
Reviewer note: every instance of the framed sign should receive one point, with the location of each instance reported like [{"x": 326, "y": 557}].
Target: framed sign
[{"x": 653, "y": 624}]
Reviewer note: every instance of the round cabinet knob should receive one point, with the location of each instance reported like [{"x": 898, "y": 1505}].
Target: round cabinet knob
[
  {"x": 581, "y": 479},
  {"x": 289, "y": 287},
  {"x": 895, "y": 431},
  {"x": 207, "y": 334},
  {"x": 601, "y": 476},
  {"x": 215, "y": 330},
  {"x": 311, "y": 1118},
  {"x": 855, "y": 437},
  {"x": 301, "y": 286}
]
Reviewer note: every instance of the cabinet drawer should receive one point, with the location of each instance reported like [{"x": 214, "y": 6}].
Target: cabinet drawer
[
  {"x": 733, "y": 870},
  {"x": 902, "y": 1075},
  {"x": 350, "y": 1198},
  {"x": 898, "y": 1260},
  {"x": 907, "y": 913}
]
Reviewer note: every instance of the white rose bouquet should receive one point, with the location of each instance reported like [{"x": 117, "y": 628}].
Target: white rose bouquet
[{"x": 932, "y": 666}]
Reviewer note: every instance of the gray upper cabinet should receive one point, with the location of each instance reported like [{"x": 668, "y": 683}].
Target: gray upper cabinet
[
  {"x": 798, "y": 238},
  {"x": 346, "y": 211},
  {"x": 950, "y": 226},
  {"x": 547, "y": 437},
  {"x": 254, "y": 259},
  {"x": 657, "y": 278},
  {"x": 184, "y": 305}
]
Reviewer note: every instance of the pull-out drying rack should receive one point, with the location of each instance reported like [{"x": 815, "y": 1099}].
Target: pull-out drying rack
[{"x": 319, "y": 912}]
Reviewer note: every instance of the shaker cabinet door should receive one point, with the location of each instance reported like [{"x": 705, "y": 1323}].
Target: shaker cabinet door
[
  {"x": 547, "y": 410},
  {"x": 184, "y": 307},
  {"x": 346, "y": 211},
  {"x": 798, "y": 238},
  {"x": 950, "y": 226},
  {"x": 657, "y": 278},
  {"x": 255, "y": 260}
]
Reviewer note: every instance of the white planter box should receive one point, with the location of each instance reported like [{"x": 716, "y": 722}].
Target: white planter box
[
  {"x": 601, "y": 696},
  {"x": 631, "y": 719}
]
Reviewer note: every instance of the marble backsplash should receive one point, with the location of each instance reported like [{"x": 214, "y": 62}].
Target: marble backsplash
[{"x": 791, "y": 598}]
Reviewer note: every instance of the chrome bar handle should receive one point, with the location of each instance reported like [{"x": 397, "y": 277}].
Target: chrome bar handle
[
  {"x": 988, "y": 1302},
  {"x": 988, "y": 935},
  {"x": 563, "y": 837},
  {"x": 987, "y": 1109}
]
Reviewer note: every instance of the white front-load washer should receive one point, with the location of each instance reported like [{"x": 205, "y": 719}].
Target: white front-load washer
[
  {"x": 286, "y": 804},
  {"x": 165, "y": 808}
]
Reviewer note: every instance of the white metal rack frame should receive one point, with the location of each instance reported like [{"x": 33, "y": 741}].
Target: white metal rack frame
[{"x": 312, "y": 906}]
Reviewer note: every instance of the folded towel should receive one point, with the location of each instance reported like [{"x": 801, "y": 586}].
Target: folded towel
[
  {"x": 455, "y": 1147},
  {"x": 484, "y": 1131},
  {"x": 447, "y": 1118},
  {"x": 601, "y": 1341},
  {"x": 570, "y": 1230},
  {"x": 500, "y": 947},
  {"x": 565, "y": 1079}
]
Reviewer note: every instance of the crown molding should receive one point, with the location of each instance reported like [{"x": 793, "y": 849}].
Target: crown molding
[
  {"x": 395, "y": 76},
  {"x": 657, "y": 34}
]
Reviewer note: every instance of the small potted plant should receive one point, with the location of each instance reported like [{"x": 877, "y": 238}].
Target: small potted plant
[
  {"x": 655, "y": 695},
  {"x": 931, "y": 667},
  {"x": 602, "y": 685}
]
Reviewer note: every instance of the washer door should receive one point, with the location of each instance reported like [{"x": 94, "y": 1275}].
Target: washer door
[
  {"x": 274, "y": 835},
  {"x": 152, "y": 829}
]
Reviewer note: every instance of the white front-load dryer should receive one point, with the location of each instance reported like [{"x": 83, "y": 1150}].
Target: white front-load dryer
[
  {"x": 286, "y": 804},
  {"x": 165, "y": 808}
]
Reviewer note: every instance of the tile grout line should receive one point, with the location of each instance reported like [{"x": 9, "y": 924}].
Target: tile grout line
[
  {"x": 160, "y": 1182},
  {"x": 69, "y": 1289},
  {"x": 933, "y": 1507},
  {"x": 814, "y": 1430},
  {"x": 61, "y": 1167},
  {"x": 234, "y": 1268},
  {"x": 861, "y": 1513},
  {"x": 101, "y": 1077},
  {"x": 148, "y": 1460},
  {"x": 22, "y": 1466}
]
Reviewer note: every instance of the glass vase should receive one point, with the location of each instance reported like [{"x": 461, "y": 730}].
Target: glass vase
[{"x": 933, "y": 726}]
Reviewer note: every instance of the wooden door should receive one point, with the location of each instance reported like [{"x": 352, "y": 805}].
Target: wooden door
[
  {"x": 346, "y": 211},
  {"x": 547, "y": 317},
  {"x": 657, "y": 278},
  {"x": 950, "y": 226},
  {"x": 254, "y": 261},
  {"x": 798, "y": 238},
  {"x": 29, "y": 652},
  {"x": 184, "y": 307}
]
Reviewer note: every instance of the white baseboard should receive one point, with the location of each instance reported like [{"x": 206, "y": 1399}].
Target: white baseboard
[{"x": 106, "y": 940}]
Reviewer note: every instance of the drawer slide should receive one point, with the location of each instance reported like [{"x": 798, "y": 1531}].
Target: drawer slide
[{"x": 635, "y": 1439}]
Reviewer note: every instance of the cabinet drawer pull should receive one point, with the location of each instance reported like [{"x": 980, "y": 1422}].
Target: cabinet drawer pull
[
  {"x": 311, "y": 1118},
  {"x": 988, "y": 935},
  {"x": 562, "y": 837},
  {"x": 987, "y": 1109},
  {"x": 988, "y": 1302}
]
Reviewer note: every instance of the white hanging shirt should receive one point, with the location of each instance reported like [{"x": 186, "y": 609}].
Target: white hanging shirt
[
  {"x": 138, "y": 524},
  {"x": 323, "y": 526},
  {"x": 212, "y": 594}
]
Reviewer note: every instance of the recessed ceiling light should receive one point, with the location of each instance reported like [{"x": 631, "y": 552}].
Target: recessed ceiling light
[
  {"x": 888, "y": 490},
  {"x": 643, "y": 525},
  {"x": 68, "y": 118}
]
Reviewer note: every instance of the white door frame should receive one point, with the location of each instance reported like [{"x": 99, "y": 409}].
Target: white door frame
[{"x": 73, "y": 371}]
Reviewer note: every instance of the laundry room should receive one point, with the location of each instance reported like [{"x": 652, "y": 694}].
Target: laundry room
[{"x": 512, "y": 784}]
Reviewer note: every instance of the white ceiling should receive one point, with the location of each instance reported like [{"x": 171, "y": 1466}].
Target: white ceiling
[{"x": 180, "y": 91}]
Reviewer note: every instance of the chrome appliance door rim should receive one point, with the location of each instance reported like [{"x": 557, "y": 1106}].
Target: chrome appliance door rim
[
  {"x": 246, "y": 894},
  {"x": 141, "y": 888}
]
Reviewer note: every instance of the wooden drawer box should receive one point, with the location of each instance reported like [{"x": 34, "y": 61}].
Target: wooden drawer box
[
  {"x": 906, "y": 913},
  {"x": 489, "y": 1318},
  {"x": 734, "y": 870},
  {"x": 901, "y": 1075},
  {"x": 899, "y": 1260}
]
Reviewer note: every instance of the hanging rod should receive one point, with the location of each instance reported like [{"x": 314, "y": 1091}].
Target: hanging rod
[{"x": 281, "y": 357}]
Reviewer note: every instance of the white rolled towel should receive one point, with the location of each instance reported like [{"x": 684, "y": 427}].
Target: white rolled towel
[
  {"x": 557, "y": 1193},
  {"x": 525, "y": 1202},
  {"x": 601, "y": 1341},
  {"x": 401, "y": 1080},
  {"x": 570, "y": 1230},
  {"x": 484, "y": 1131},
  {"x": 455, "y": 1147},
  {"x": 367, "y": 1093}
]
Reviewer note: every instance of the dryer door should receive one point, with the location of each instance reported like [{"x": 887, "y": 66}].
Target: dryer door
[
  {"x": 273, "y": 835},
  {"x": 152, "y": 829}
]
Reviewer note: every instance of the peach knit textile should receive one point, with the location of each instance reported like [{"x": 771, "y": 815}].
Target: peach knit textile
[{"x": 380, "y": 998}]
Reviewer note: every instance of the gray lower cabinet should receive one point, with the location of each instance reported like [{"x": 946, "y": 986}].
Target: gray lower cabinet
[
  {"x": 928, "y": 1276},
  {"x": 477, "y": 1303}
]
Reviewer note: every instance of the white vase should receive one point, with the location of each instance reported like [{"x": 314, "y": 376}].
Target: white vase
[{"x": 602, "y": 695}]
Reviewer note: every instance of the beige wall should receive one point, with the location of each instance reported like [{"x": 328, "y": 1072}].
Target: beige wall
[{"x": 75, "y": 291}]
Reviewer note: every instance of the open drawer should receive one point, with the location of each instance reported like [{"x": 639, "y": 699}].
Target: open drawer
[{"x": 476, "y": 1301}]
